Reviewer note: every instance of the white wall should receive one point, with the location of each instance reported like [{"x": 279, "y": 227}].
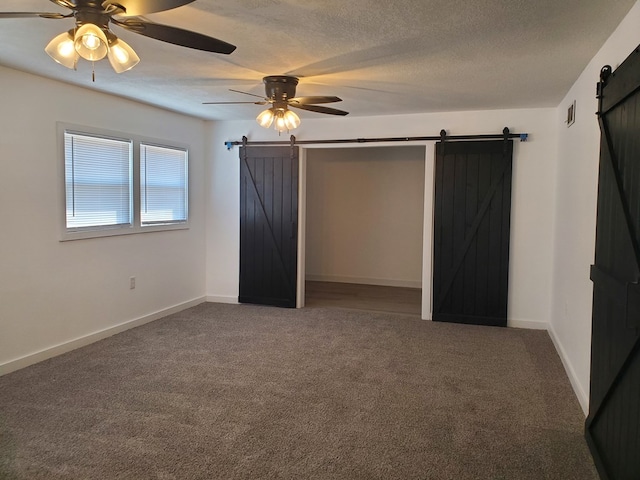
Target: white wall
[
  {"x": 53, "y": 292},
  {"x": 364, "y": 215},
  {"x": 532, "y": 201},
  {"x": 577, "y": 181}
]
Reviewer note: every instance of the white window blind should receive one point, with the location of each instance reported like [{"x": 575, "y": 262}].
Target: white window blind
[
  {"x": 98, "y": 181},
  {"x": 163, "y": 185}
]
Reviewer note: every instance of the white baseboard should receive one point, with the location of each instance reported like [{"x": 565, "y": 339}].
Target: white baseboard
[
  {"x": 528, "y": 324},
  {"x": 85, "y": 340},
  {"x": 365, "y": 281},
  {"x": 222, "y": 299},
  {"x": 583, "y": 397}
]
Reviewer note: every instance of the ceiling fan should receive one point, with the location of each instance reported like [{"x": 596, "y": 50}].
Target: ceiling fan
[
  {"x": 92, "y": 39},
  {"x": 280, "y": 93}
]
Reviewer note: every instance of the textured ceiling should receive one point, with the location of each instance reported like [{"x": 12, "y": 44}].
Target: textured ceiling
[{"x": 380, "y": 57}]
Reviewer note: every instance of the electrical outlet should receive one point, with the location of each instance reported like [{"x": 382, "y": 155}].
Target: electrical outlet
[{"x": 132, "y": 283}]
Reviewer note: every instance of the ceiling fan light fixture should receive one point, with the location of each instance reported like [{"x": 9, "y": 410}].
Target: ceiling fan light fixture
[
  {"x": 282, "y": 119},
  {"x": 265, "y": 118},
  {"x": 91, "y": 42},
  {"x": 121, "y": 56},
  {"x": 63, "y": 51},
  {"x": 286, "y": 120},
  {"x": 281, "y": 123}
]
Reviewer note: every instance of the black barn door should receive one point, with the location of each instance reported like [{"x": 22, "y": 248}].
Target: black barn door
[
  {"x": 613, "y": 424},
  {"x": 471, "y": 232},
  {"x": 268, "y": 225}
]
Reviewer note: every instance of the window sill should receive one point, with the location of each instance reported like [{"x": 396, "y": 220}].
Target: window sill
[{"x": 120, "y": 231}]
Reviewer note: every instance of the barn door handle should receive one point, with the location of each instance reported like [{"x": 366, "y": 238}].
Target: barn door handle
[{"x": 294, "y": 230}]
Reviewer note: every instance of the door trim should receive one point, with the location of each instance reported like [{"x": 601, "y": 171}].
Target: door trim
[{"x": 302, "y": 227}]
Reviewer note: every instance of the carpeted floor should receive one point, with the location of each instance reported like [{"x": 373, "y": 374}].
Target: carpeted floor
[{"x": 247, "y": 392}]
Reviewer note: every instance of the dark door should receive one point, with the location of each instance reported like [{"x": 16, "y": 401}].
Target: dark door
[
  {"x": 471, "y": 230},
  {"x": 268, "y": 225},
  {"x": 613, "y": 424}
]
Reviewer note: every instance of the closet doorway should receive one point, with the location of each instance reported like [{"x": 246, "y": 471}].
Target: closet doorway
[{"x": 364, "y": 228}]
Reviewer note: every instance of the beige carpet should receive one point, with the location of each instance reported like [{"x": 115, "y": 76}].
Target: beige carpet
[{"x": 246, "y": 392}]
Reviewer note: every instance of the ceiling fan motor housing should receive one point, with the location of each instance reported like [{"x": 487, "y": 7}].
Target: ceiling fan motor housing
[
  {"x": 89, "y": 15},
  {"x": 280, "y": 88}
]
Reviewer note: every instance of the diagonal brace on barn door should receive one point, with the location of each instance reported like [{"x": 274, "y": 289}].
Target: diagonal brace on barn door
[
  {"x": 620, "y": 197},
  {"x": 624, "y": 293},
  {"x": 256, "y": 194},
  {"x": 597, "y": 408},
  {"x": 484, "y": 207}
]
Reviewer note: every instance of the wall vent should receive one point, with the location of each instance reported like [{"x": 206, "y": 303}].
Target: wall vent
[{"x": 571, "y": 114}]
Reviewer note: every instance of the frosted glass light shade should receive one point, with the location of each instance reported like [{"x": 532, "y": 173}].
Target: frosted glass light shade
[
  {"x": 265, "y": 119},
  {"x": 122, "y": 57},
  {"x": 91, "y": 42},
  {"x": 280, "y": 123},
  {"x": 291, "y": 120},
  {"x": 62, "y": 50}
]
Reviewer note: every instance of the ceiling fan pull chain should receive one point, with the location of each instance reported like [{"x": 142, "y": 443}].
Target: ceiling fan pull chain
[{"x": 93, "y": 71}]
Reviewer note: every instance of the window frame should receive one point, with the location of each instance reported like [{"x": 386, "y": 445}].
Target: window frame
[{"x": 67, "y": 234}]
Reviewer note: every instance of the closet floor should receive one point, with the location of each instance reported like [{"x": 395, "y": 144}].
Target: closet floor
[{"x": 364, "y": 297}]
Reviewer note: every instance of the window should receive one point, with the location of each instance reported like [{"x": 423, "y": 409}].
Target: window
[
  {"x": 117, "y": 184},
  {"x": 98, "y": 181},
  {"x": 163, "y": 185}
]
